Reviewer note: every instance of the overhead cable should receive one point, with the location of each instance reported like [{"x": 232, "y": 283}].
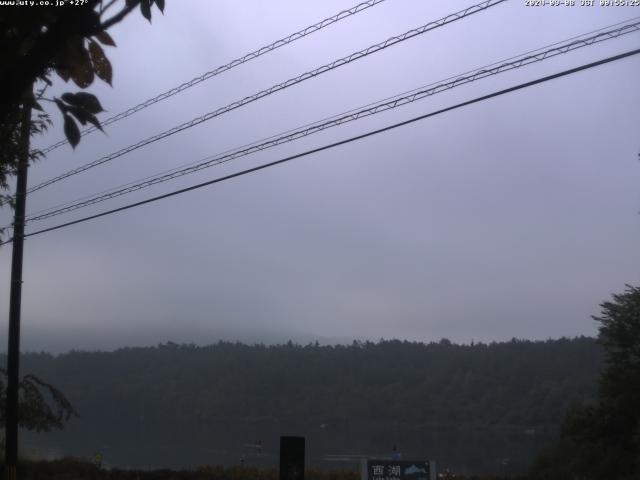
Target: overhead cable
[
  {"x": 223, "y": 68},
  {"x": 341, "y": 142},
  {"x": 372, "y": 109},
  {"x": 275, "y": 88}
]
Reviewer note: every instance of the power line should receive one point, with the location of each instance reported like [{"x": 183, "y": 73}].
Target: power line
[
  {"x": 223, "y": 68},
  {"x": 275, "y": 88},
  {"x": 341, "y": 142},
  {"x": 579, "y": 38},
  {"x": 384, "y": 105}
]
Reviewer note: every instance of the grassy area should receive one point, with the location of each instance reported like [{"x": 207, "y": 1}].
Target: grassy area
[{"x": 74, "y": 469}]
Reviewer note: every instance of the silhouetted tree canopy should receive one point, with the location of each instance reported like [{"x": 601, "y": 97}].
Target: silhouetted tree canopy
[
  {"x": 42, "y": 407},
  {"x": 602, "y": 439}
]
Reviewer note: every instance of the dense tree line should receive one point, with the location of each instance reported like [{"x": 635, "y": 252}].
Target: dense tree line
[
  {"x": 514, "y": 383},
  {"x": 478, "y": 407}
]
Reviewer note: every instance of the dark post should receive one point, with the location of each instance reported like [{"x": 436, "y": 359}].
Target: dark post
[
  {"x": 13, "y": 355},
  {"x": 291, "y": 458}
]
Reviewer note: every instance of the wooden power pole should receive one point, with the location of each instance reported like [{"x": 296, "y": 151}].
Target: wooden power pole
[{"x": 13, "y": 354}]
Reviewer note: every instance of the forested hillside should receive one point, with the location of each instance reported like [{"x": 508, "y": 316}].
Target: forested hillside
[{"x": 474, "y": 407}]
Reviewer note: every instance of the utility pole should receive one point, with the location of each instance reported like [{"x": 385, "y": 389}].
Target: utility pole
[{"x": 13, "y": 356}]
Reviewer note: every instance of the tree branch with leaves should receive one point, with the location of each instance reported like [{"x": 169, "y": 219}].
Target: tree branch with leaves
[
  {"x": 42, "y": 406},
  {"x": 35, "y": 44}
]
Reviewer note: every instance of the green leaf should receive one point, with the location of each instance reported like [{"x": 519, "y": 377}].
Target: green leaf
[
  {"x": 69, "y": 98},
  {"x": 81, "y": 115},
  {"x": 79, "y": 62},
  {"x": 71, "y": 131},
  {"x": 84, "y": 100},
  {"x": 89, "y": 102},
  {"x": 94, "y": 121},
  {"x": 105, "y": 39},
  {"x": 82, "y": 76},
  {"x": 101, "y": 64},
  {"x": 145, "y": 8},
  {"x": 63, "y": 73}
]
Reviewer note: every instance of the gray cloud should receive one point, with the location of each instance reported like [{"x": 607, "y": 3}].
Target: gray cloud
[{"x": 514, "y": 217}]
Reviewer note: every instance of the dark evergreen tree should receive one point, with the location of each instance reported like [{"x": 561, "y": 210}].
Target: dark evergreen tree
[{"x": 602, "y": 439}]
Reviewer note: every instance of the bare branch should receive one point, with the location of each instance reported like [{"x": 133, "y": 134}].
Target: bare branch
[
  {"x": 104, "y": 8},
  {"x": 118, "y": 17}
]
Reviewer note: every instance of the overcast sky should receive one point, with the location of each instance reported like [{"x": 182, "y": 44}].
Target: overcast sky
[{"x": 514, "y": 217}]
